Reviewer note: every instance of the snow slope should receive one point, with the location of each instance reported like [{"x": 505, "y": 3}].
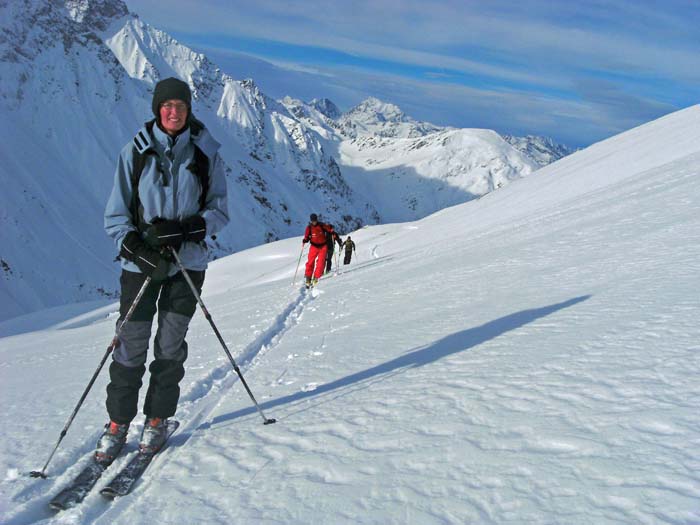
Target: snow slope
[
  {"x": 432, "y": 172},
  {"x": 529, "y": 357}
]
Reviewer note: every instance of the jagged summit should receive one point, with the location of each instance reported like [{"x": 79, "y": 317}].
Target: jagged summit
[
  {"x": 95, "y": 14},
  {"x": 375, "y": 117},
  {"x": 382, "y": 111},
  {"x": 28, "y": 27},
  {"x": 326, "y": 107},
  {"x": 543, "y": 150}
]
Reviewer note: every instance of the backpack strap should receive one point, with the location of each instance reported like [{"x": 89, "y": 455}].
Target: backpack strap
[
  {"x": 143, "y": 147},
  {"x": 200, "y": 169},
  {"x": 200, "y": 165},
  {"x": 196, "y": 126}
]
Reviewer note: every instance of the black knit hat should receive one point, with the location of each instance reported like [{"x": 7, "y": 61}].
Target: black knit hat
[
  {"x": 313, "y": 217},
  {"x": 171, "y": 88}
]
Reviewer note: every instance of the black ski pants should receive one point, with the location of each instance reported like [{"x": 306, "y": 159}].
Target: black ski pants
[
  {"x": 175, "y": 303},
  {"x": 329, "y": 257}
]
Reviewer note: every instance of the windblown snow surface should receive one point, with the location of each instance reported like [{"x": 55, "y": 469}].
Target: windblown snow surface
[{"x": 529, "y": 357}]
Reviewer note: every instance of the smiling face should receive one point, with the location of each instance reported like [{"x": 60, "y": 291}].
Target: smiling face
[{"x": 173, "y": 116}]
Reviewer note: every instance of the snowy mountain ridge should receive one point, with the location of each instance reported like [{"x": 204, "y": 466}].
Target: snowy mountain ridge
[
  {"x": 75, "y": 86},
  {"x": 423, "y": 167},
  {"x": 327, "y": 107},
  {"x": 543, "y": 150},
  {"x": 377, "y": 118},
  {"x": 374, "y": 118},
  {"x": 434, "y": 171}
]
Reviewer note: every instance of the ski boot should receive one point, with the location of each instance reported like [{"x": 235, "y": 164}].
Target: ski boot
[
  {"x": 155, "y": 432},
  {"x": 111, "y": 442},
  {"x": 314, "y": 281},
  {"x": 307, "y": 283}
]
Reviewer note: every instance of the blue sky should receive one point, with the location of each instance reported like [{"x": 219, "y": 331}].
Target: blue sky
[{"x": 576, "y": 71}]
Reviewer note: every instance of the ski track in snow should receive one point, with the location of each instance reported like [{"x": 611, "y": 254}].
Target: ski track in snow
[
  {"x": 193, "y": 409},
  {"x": 589, "y": 420},
  {"x": 196, "y": 404},
  {"x": 203, "y": 397}
]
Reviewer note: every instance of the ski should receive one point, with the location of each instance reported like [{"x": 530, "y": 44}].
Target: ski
[
  {"x": 124, "y": 481},
  {"x": 80, "y": 486}
]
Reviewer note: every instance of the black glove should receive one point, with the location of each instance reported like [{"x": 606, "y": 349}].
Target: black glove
[
  {"x": 304, "y": 241},
  {"x": 194, "y": 229},
  {"x": 149, "y": 261},
  {"x": 164, "y": 233}
]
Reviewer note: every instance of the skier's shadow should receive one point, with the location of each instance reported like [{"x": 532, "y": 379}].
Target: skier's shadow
[{"x": 452, "y": 344}]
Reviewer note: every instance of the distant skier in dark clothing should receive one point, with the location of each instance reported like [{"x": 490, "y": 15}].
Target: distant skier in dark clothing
[
  {"x": 317, "y": 234},
  {"x": 349, "y": 248},
  {"x": 330, "y": 242}
]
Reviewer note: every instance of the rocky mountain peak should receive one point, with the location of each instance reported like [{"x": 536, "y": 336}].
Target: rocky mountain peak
[
  {"x": 543, "y": 150},
  {"x": 326, "y": 107},
  {"x": 29, "y": 27},
  {"x": 95, "y": 14},
  {"x": 376, "y": 117},
  {"x": 380, "y": 111}
]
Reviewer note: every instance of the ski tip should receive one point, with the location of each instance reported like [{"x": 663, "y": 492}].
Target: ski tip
[
  {"x": 270, "y": 421},
  {"x": 37, "y": 474}
]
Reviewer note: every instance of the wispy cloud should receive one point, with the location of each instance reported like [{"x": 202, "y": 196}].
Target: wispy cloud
[{"x": 620, "y": 60}]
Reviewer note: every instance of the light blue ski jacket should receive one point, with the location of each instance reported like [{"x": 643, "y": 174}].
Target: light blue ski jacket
[{"x": 169, "y": 190}]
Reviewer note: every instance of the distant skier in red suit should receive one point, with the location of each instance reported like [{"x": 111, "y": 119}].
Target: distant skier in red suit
[{"x": 317, "y": 234}]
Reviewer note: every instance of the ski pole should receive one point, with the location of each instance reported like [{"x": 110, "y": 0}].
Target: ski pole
[
  {"x": 266, "y": 421},
  {"x": 298, "y": 263},
  {"x": 110, "y": 348}
]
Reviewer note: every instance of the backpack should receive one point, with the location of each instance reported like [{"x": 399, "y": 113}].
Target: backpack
[
  {"x": 330, "y": 236},
  {"x": 321, "y": 229},
  {"x": 199, "y": 167}
]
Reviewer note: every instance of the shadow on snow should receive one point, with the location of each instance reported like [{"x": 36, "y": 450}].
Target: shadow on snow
[{"x": 451, "y": 344}]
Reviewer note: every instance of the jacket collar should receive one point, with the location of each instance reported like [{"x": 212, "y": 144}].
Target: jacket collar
[
  {"x": 167, "y": 143},
  {"x": 151, "y": 136}
]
